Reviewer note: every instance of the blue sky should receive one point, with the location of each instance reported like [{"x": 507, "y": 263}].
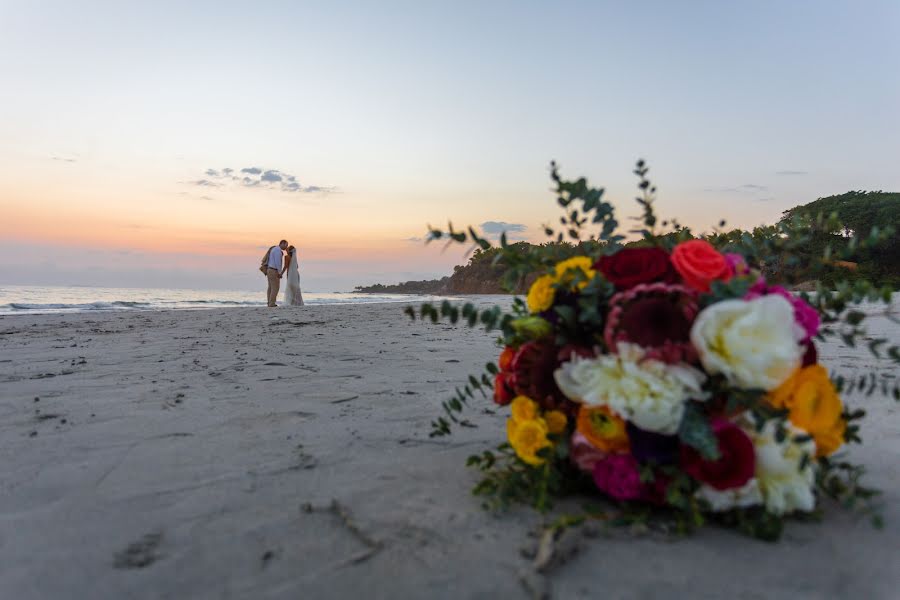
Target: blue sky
[{"x": 415, "y": 112}]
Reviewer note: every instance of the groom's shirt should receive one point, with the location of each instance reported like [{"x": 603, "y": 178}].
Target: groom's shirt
[{"x": 275, "y": 257}]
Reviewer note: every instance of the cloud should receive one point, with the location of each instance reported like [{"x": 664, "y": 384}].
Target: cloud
[
  {"x": 413, "y": 240},
  {"x": 271, "y": 176},
  {"x": 791, "y": 172},
  {"x": 67, "y": 159},
  {"x": 747, "y": 188},
  {"x": 257, "y": 177},
  {"x": 498, "y": 227}
]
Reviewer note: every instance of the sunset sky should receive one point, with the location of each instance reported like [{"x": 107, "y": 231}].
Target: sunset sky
[{"x": 160, "y": 144}]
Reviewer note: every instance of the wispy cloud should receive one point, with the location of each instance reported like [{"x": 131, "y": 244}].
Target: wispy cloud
[
  {"x": 258, "y": 177},
  {"x": 413, "y": 239},
  {"x": 791, "y": 172},
  {"x": 68, "y": 159},
  {"x": 747, "y": 188}
]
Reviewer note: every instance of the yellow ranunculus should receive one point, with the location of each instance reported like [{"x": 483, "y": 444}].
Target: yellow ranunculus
[
  {"x": 556, "y": 421},
  {"x": 814, "y": 406},
  {"x": 523, "y": 409},
  {"x": 540, "y": 295},
  {"x": 528, "y": 438},
  {"x": 581, "y": 263}
]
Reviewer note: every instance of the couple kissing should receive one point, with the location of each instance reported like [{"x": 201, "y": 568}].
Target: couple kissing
[{"x": 277, "y": 261}]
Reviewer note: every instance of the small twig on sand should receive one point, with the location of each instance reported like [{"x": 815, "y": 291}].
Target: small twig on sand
[
  {"x": 555, "y": 546},
  {"x": 372, "y": 545}
]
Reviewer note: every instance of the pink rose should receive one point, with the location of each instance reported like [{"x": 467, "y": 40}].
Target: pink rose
[{"x": 737, "y": 264}]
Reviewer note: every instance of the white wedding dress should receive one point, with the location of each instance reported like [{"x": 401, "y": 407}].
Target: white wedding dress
[{"x": 292, "y": 294}]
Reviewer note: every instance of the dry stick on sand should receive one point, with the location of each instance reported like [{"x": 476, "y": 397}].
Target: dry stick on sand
[{"x": 343, "y": 515}]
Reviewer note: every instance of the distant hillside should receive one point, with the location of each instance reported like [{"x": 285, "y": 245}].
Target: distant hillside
[
  {"x": 858, "y": 211},
  {"x": 432, "y": 286}
]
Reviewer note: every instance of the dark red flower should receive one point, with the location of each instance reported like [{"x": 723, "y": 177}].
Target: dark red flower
[
  {"x": 650, "y": 322},
  {"x": 630, "y": 266},
  {"x": 655, "y": 316},
  {"x": 503, "y": 391},
  {"x": 735, "y": 465},
  {"x": 652, "y": 447},
  {"x": 811, "y": 356},
  {"x": 532, "y": 371}
]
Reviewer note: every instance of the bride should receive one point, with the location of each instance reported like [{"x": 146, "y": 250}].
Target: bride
[{"x": 292, "y": 295}]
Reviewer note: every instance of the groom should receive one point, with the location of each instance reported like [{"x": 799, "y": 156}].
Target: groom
[{"x": 274, "y": 271}]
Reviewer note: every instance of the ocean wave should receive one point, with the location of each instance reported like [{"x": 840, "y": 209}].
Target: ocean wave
[
  {"x": 80, "y": 301},
  {"x": 53, "y": 306}
]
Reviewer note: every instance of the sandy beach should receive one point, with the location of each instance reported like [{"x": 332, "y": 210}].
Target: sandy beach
[{"x": 254, "y": 453}]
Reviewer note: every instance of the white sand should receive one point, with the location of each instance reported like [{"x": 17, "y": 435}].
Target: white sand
[{"x": 171, "y": 453}]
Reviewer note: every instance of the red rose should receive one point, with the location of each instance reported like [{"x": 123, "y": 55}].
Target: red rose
[
  {"x": 735, "y": 465},
  {"x": 503, "y": 392},
  {"x": 699, "y": 264},
  {"x": 630, "y": 266}
]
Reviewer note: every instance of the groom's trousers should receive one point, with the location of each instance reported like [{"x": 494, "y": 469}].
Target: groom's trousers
[{"x": 274, "y": 285}]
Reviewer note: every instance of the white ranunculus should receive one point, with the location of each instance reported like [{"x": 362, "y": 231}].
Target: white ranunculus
[
  {"x": 721, "y": 500},
  {"x": 649, "y": 393},
  {"x": 753, "y": 343},
  {"x": 785, "y": 486}
]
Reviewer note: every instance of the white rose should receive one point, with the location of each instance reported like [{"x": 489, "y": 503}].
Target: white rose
[
  {"x": 785, "y": 486},
  {"x": 753, "y": 343},
  {"x": 721, "y": 500},
  {"x": 649, "y": 393}
]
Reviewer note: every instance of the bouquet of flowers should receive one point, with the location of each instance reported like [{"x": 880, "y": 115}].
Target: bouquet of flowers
[{"x": 666, "y": 373}]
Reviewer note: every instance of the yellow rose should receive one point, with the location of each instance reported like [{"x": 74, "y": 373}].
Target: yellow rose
[
  {"x": 579, "y": 263},
  {"x": 523, "y": 409},
  {"x": 556, "y": 421},
  {"x": 814, "y": 406},
  {"x": 540, "y": 295},
  {"x": 528, "y": 438},
  {"x": 603, "y": 429}
]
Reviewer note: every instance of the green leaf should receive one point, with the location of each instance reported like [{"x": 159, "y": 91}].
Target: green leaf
[{"x": 696, "y": 432}]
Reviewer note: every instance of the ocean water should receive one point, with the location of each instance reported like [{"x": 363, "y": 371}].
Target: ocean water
[{"x": 57, "y": 299}]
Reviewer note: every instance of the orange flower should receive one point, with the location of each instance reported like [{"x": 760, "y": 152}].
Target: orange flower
[
  {"x": 699, "y": 264},
  {"x": 814, "y": 406},
  {"x": 603, "y": 428}
]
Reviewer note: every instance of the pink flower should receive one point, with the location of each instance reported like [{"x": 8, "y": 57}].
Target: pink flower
[
  {"x": 737, "y": 264},
  {"x": 618, "y": 476},
  {"x": 805, "y": 315},
  {"x": 584, "y": 454}
]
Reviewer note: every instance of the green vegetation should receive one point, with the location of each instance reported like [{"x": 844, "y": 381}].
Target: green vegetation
[{"x": 835, "y": 222}]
